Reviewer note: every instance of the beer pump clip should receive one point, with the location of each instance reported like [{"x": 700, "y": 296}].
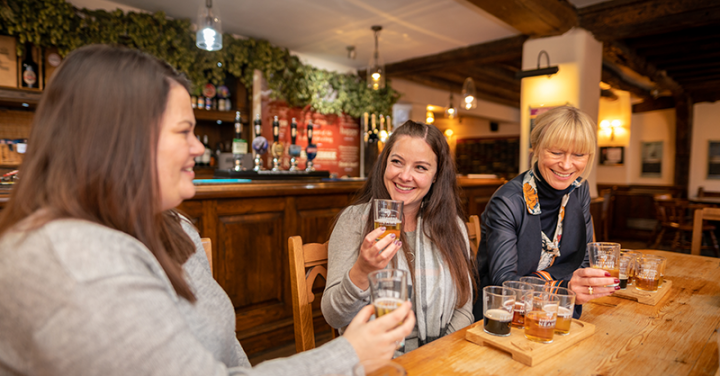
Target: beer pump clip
[
  {"x": 259, "y": 144},
  {"x": 311, "y": 149}
]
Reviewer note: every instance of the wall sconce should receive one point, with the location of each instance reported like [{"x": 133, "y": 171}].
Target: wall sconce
[
  {"x": 209, "y": 34},
  {"x": 609, "y": 127},
  {"x": 449, "y": 132},
  {"x": 429, "y": 115},
  {"x": 549, "y": 71}
]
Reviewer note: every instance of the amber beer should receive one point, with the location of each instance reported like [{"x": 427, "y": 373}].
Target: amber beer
[
  {"x": 647, "y": 281},
  {"x": 383, "y": 306},
  {"x": 564, "y": 320},
  {"x": 518, "y": 319},
  {"x": 540, "y": 326},
  {"x": 497, "y": 322},
  {"x": 392, "y": 226}
]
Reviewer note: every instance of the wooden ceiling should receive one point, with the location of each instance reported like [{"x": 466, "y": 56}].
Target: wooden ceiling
[{"x": 656, "y": 49}]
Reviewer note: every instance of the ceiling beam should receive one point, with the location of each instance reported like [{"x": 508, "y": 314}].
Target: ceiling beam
[
  {"x": 488, "y": 87},
  {"x": 536, "y": 18},
  {"x": 621, "y": 19},
  {"x": 443, "y": 84},
  {"x": 618, "y": 53},
  {"x": 483, "y": 53},
  {"x": 661, "y": 103},
  {"x": 613, "y": 79}
]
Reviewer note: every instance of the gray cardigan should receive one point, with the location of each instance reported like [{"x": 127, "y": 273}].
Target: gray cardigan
[{"x": 78, "y": 298}]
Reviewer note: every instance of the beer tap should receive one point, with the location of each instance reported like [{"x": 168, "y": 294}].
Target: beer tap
[
  {"x": 311, "y": 149},
  {"x": 277, "y": 148},
  {"x": 259, "y": 144},
  {"x": 293, "y": 150}
]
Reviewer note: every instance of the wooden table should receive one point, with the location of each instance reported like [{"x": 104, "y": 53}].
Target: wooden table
[
  {"x": 676, "y": 337},
  {"x": 705, "y": 200}
]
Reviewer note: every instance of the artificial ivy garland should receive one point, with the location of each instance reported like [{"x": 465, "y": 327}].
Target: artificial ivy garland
[{"x": 57, "y": 23}]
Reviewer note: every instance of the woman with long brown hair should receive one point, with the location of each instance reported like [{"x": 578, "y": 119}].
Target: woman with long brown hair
[
  {"x": 99, "y": 275},
  {"x": 414, "y": 167}
]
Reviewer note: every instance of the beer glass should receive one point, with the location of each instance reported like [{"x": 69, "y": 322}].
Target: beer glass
[
  {"x": 625, "y": 268},
  {"x": 566, "y": 307},
  {"x": 388, "y": 290},
  {"x": 631, "y": 265},
  {"x": 388, "y": 214},
  {"x": 648, "y": 273},
  {"x": 661, "y": 268},
  {"x": 498, "y": 310},
  {"x": 520, "y": 289},
  {"x": 605, "y": 256},
  {"x": 537, "y": 283},
  {"x": 541, "y": 310}
]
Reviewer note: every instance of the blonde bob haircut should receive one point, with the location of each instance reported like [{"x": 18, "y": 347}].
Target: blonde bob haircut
[{"x": 565, "y": 128}]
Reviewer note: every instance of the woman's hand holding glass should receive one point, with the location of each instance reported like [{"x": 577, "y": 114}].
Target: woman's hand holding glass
[
  {"x": 374, "y": 255},
  {"x": 589, "y": 283},
  {"x": 378, "y": 339}
]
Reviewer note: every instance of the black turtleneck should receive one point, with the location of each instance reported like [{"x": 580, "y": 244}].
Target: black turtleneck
[{"x": 550, "y": 200}]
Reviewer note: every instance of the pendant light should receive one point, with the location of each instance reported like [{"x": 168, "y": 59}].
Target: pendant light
[
  {"x": 376, "y": 67},
  {"x": 451, "y": 112},
  {"x": 209, "y": 34},
  {"x": 469, "y": 94}
]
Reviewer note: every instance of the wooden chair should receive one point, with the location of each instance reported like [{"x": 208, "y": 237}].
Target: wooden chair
[
  {"x": 658, "y": 232},
  {"x": 474, "y": 233},
  {"x": 207, "y": 245},
  {"x": 307, "y": 262},
  {"x": 703, "y": 193},
  {"x": 699, "y": 226}
]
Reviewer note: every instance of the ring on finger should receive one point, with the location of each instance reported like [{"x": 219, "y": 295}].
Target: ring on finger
[{"x": 590, "y": 290}]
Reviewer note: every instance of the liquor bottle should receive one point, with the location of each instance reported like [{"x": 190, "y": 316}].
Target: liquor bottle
[
  {"x": 198, "y": 159},
  {"x": 372, "y": 150},
  {"x": 293, "y": 150},
  {"x": 201, "y": 103},
  {"x": 29, "y": 69},
  {"x": 259, "y": 144},
  {"x": 239, "y": 145},
  {"x": 311, "y": 149},
  {"x": 277, "y": 147},
  {"x": 208, "y": 152}
]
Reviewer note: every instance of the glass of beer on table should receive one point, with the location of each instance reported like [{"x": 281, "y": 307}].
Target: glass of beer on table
[
  {"x": 566, "y": 307},
  {"x": 537, "y": 282},
  {"x": 541, "y": 309},
  {"x": 520, "y": 289},
  {"x": 647, "y": 276},
  {"x": 625, "y": 269},
  {"x": 631, "y": 265},
  {"x": 388, "y": 214},
  {"x": 498, "y": 310},
  {"x": 605, "y": 256},
  {"x": 388, "y": 290}
]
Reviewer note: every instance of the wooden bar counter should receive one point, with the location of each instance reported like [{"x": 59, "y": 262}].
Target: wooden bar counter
[{"x": 249, "y": 225}]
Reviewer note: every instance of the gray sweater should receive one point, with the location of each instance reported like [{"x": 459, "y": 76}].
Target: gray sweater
[{"x": 78, "y": 298}]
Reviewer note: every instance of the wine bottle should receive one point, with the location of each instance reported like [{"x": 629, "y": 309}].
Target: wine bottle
[
  {"x": 29, "y": 69},
  {"x": 208, "y": 152},
  {"x": 239, "y": 146},
  {"x": 277, "y": 147}
]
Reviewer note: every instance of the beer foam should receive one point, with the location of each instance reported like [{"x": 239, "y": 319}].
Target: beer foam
[
  {"x": 564, "y": 312},
  {"x": 388, "y": 221},
  {"x": 499, "y": 315}
]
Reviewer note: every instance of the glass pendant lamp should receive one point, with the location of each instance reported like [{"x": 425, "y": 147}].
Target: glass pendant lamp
[
  {"x": 376, "y": 67},
  {"x": 469, "y": 94},
  {"x": 209, "y": 34}
]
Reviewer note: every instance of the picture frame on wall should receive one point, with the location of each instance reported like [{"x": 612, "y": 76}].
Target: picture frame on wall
[
  {"x": 652, "y": 153},
  {"x": 713, "y": 160},
  {"x": 612, "y": 155}
]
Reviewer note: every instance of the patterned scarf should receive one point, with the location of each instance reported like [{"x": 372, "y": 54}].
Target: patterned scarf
[{"x": 550, "y": 248}]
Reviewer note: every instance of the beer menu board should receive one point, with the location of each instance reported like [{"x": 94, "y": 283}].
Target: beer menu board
[{"x": 337, "y": 138}]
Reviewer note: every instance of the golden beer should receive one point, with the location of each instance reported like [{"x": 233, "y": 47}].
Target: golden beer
[
  {"x": 540, "y": 326},
  {"x": 614, "y": 273},
  {"x": 646, "y": 284},
  {"x": 383, "y": 306},
  {"x": 564, "y": 320},
  {"x": 392, "y": 226}
]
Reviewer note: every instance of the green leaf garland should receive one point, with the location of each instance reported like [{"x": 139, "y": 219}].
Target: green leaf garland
[{"x": 57, "y": 23}]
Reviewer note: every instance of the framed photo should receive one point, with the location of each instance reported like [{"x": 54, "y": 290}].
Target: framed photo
[
  {"x": 652, "y": 159},
  {"x": 612, "y": 155},
  {"x": 713, "y": 160}
]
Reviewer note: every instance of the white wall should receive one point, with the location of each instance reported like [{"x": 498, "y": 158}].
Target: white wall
[
  {"x": 618, "y": 109},
  {"x": 648, "y": 127},
  {"x": 705, "y": 128}
]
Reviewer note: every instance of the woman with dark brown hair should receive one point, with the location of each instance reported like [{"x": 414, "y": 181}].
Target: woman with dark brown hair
[
  {"x": 99, "y": 275},
  {"x": 414, "y": 167}
]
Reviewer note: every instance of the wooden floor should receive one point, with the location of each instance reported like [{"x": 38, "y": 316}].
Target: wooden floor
[{"x": 321, "y": 338}]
